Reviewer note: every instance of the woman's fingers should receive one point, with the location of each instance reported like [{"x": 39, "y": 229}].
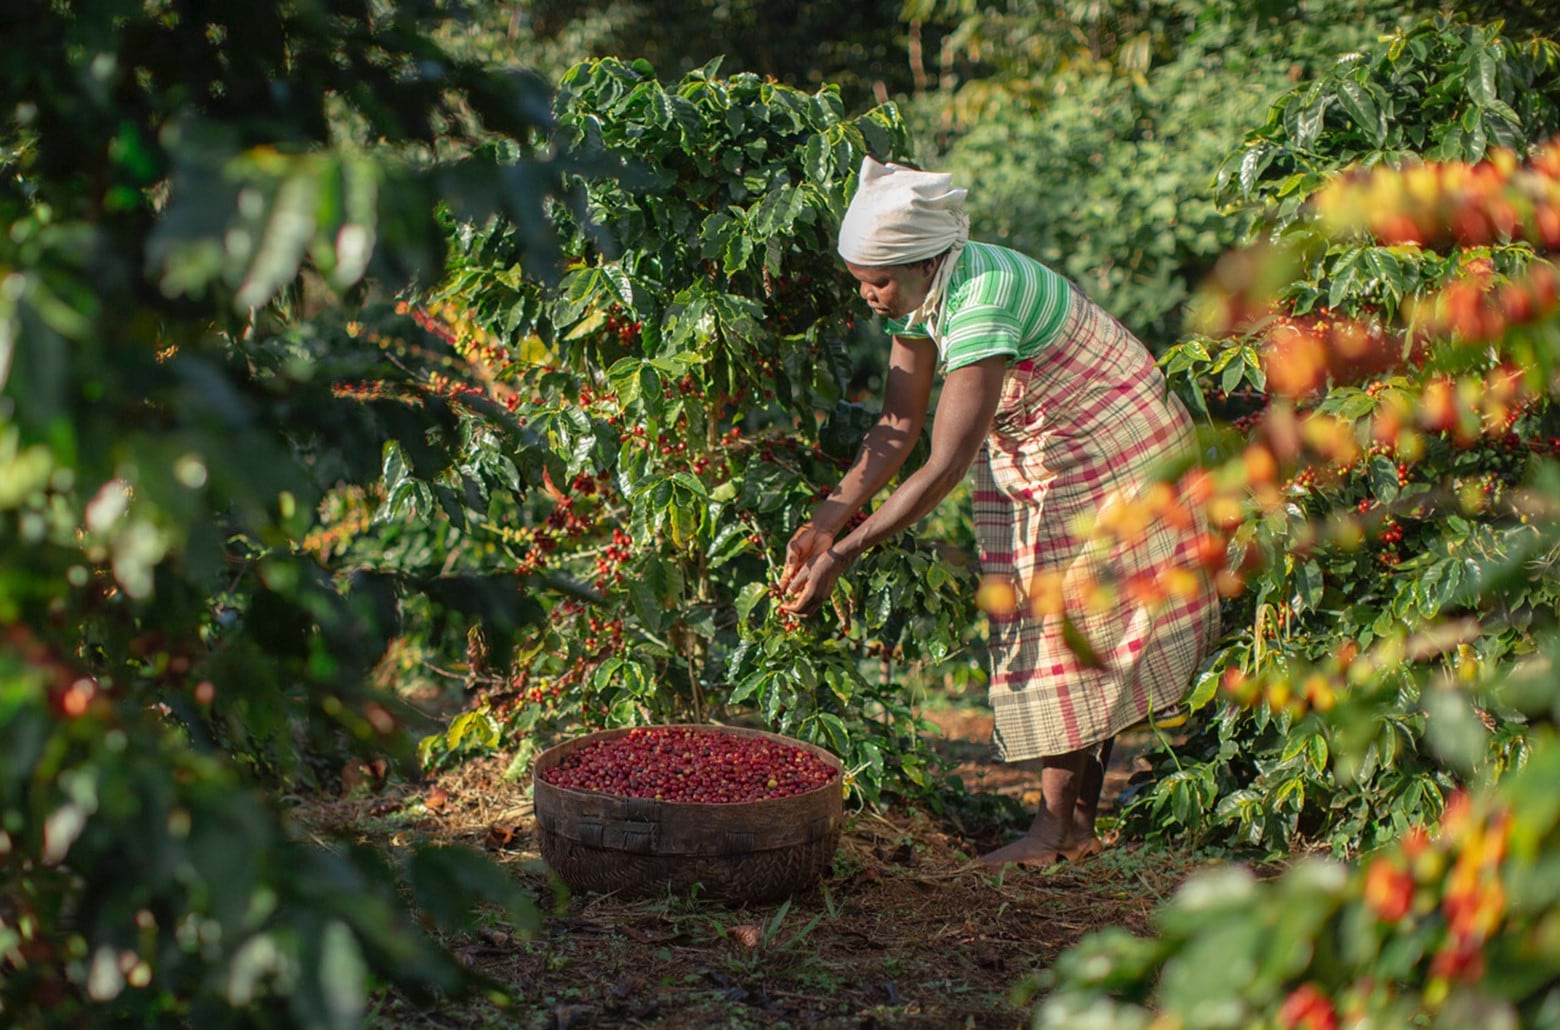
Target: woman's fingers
[
  {"x": 793, "y": 565},
  {"x": 811, "y": 598},
  {"x": 795, "y": 582},
  {"x": 797, "y": 554},
  {"x": 801, "y": 591},
  {"x": 812, "y": 587}
]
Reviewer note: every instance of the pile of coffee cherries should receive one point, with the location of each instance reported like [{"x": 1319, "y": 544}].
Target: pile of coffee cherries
[{"x": 692, "y": 765}]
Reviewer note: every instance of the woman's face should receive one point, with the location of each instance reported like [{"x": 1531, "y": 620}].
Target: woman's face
[{"x": 894, "y": 291}]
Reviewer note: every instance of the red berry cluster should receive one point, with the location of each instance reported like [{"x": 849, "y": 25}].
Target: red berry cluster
[
  {"x": 520, "y": 684},
  {"x": 691, "y": 765},
  {"x": 788, "y": 622},
  {"x": 609, "y": 565},
  {"x": 1391, "y": 536},
  {"x": 625, "y": 329},
  {"x": 372, "y": 390},
  {"x": 473, "y": 350},
  {"x": 453, "y": 389},
  {"x": 1246, "y": 423},
  {"x": 604, "y": 633},
  {"x": 431, "y": 324}
]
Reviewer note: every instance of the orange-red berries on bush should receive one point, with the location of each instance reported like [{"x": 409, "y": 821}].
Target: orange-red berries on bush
[
  {"x": 691, "y": 765},
  {"x": 1389, "y": 890},
  {"x": 1307, "y": 1008}
]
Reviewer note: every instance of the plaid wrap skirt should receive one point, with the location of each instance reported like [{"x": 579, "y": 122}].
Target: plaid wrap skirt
[{"x": 1083, "y": 422}]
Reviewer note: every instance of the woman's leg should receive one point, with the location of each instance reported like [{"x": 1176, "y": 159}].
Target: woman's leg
[
  {"x": 1082, "y": 842},
  {"x": 1061, "y": 783}
]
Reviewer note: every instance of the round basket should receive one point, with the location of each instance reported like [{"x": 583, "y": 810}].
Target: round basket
[{"x": 744, "y": 851}]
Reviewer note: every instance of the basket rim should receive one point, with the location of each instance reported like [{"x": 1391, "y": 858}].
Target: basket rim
[{"x": 547, "y": 759}]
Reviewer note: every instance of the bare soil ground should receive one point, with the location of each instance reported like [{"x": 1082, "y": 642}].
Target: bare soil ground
[{"x": 899, "y": 935}]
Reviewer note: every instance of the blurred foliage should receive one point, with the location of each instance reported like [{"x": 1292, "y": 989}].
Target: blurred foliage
[
  {"x": 1451, "y": 930},
  {"x": 1387, "y": 490},
  {"x": 1261, "y": 777},
  {"x": 202, "y": 207},
  {"x": 1442, "y": 90}
]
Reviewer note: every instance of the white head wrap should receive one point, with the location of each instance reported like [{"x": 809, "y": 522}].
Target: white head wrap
[{"x": 899, "y": 216}]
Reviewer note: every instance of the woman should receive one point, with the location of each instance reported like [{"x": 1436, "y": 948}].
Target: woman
[{"x": 1060, "y": 410}]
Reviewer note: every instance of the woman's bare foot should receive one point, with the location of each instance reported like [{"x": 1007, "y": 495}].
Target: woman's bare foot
[
  {"x": 1036, "y": 849},
  {"x": 1060, "y": 783}
]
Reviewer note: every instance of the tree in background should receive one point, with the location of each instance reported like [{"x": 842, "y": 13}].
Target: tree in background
[
  {"x": 859, "y": 47},
  {"x": 1091, "y": 133}
]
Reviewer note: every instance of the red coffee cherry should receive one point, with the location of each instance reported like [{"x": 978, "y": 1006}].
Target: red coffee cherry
[{"x": 691, "y": 765}]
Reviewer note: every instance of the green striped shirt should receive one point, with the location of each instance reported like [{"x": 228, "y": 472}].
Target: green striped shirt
[{"x": 999, "y": 302}]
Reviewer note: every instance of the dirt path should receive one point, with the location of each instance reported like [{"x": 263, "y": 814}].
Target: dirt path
[{"x": 897, "y": 937}]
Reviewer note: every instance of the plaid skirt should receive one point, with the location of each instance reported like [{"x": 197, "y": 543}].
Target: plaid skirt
[{"x": 1086, "y": 420}]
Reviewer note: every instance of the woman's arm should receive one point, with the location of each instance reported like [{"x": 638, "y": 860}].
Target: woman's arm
[
  {"x": 964, "y": 411},
  {"x": 912, "y": 364}
]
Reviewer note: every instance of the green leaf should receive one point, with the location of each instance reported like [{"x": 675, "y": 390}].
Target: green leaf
[
  {"x": 1361, "y": 108},
  {"x": 818, "y": 159},
  {"x": 342, "y": 976},
  {"x": 839, "y": 736},
  {"x": 1308, "y": 585},
  {"x": 747, "y": 687},
  {"x": 1482, "y": 76},
  {"x": 1453, "y": 729},
  {"x": 622, "y": 287},
  {"x": 1382, "y": 474},
  {"x": 1206, "y": 687},
  {"x": 1252, "y": 164},
  {"x": 1234, "y": 372},
  {"x": 838, "y": 684},
  {"x": 282, "y": 234},
  {"x": 1309, "y": 126},
  {"x": 749, "y": 597}
]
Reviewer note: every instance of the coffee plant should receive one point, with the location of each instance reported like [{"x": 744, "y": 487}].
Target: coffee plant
[
  {"x": 204, "y": 209},
  {"x": 1090, "y": 146},
  {"x": 1451, "y": 926},
  {"x": 1402, "y": 356},
  {"x": 1387, "y": 498},
  {"x": 684, "y": 393}
]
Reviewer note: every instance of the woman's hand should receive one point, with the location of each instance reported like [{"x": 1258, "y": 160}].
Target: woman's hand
[
  {"x": 812, "y": 587},
  {"x": 807, "y": 543}
]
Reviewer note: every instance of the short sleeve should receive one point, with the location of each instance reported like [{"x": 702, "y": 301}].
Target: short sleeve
[{"x": 980, "y": 331}]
